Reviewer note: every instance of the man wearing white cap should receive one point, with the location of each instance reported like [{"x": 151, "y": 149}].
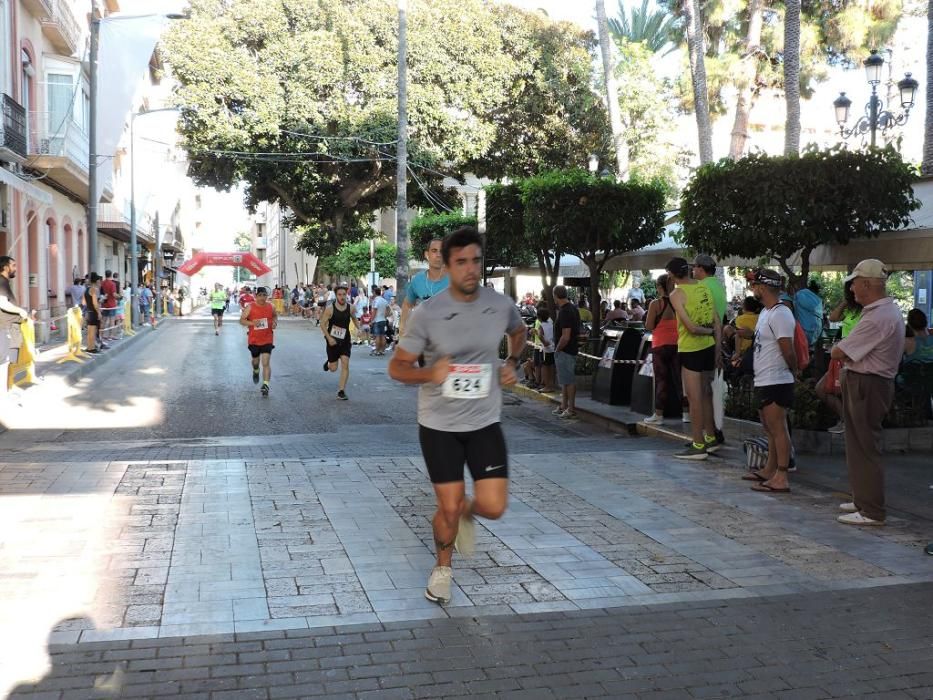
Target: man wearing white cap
[{"x": 872, "y": 353}]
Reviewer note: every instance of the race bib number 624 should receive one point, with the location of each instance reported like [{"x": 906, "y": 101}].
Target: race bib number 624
[
  {"x": 261, "y": 324},
  {"x": 467, "y": 382}
]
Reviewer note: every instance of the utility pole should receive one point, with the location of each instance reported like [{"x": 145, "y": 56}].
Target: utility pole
[
  {"x": 92, "y": 144},
  {"x": 612, "y": 92},
  {"x": 401, "y": 205}
]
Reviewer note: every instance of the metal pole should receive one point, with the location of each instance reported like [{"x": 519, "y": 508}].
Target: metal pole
[
  {"x": 134, "y": 258},
  {"x": 873, "y": 114},
  {"x": 401, "y": 205},
  {"x": 92, "y": 145}
]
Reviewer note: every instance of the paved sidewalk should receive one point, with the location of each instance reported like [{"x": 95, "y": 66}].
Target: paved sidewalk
[{"x": 867, "y": 644}]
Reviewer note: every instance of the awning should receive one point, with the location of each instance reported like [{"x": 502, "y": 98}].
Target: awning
[{"x": 24, "y": 186}]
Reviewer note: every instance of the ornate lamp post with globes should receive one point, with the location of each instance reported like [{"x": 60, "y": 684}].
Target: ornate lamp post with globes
[{"x": 876, "y": 116}]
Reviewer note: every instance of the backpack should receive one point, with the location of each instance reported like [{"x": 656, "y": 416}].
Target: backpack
[{"x": 801, "y": 344}]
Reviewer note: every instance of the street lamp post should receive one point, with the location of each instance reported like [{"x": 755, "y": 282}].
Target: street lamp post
[
  {"x": 876, "y": 116},
  {"x": 401, "y": 201},
  {"x": 134, "y": 254}
]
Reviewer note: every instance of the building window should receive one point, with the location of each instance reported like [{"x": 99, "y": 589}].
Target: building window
[
  {"x": 26, "y": 93},
  {"x": 61, "y": 94}
]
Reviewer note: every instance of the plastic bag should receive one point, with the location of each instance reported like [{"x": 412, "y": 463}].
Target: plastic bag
[
  {"x": 647, "y": 369},
  {"x": 719, "y": 399}
]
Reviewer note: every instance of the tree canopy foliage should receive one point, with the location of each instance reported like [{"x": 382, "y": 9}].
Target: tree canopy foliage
[
  {"x": 351, "y": 261},
  {"x": 428, "y": 227},
  {"x": 298, "y": 99},
  {"x": 821, "y": 196}
]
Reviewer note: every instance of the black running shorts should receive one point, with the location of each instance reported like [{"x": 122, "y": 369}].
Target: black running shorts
[
  {"x": 217, "y": 312},
  {"x": 781, "y": 394},
  {"x": 482, "y": 450},
  {"x": 257, "y": 350},
  {"x": 337, "y": 350},
  {"x": 699, "y": 360}
]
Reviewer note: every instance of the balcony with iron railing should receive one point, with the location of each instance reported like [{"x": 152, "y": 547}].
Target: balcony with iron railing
[
  {"x": 60, "y": 26},
  {"x": 13, "y": 131}
]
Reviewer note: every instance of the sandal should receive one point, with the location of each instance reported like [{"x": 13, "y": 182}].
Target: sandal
[
  {"x": 753, "y": 476},
  {"x": 764, "y": 488}
]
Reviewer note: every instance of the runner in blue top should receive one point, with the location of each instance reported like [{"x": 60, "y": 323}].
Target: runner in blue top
[{"x": 426, "y": 283}]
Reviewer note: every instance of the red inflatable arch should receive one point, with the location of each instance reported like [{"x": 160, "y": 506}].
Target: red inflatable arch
[{"x": 247, "y": 260}]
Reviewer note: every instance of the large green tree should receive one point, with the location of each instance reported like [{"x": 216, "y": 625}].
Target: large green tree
[
  {"x": 819, "y": 197},
  {"x": 298, "y": 99}
]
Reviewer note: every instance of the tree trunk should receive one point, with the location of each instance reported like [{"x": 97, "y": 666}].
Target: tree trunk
[
  {"x": 612, "y": 93},
  {"x": 792, "y": 77},
  {"x": 698, "y": 75},
  {"x": 926, "y": 167},
  {"x": 748, "y": 79}
]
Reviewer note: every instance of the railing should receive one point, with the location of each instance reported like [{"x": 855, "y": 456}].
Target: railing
[
  {"x": 13, "y": 136},
  {"x": 62, "y": 18},
  {"x": 62, "y": 140}
]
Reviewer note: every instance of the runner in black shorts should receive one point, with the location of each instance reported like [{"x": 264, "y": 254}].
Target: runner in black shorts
[
  {"x": 335, "y": 323},
  {"x": 459, "y": 331}
]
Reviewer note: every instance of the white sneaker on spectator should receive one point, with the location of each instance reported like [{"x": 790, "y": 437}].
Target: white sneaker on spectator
[
  {"x": 653, "y": 419},
  {"x": 848, "y": 507},
  {"x": 838, "y": 429},
  {"x": 685, "y": 417},
  {"x": 557, "y": 411},
  {"x": 568, "y": 415},
  {"x": 858, "y": 519}
]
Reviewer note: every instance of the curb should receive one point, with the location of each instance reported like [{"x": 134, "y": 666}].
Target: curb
[{"x": 612, "y": 424}]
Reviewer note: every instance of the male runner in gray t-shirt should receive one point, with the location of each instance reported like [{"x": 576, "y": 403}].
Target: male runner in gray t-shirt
[{"x": 460, "y": 400}]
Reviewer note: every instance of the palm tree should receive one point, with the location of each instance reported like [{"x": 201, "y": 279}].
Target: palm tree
[
  {"x": 926, "y": 167},
  {"x": 612, "y": 94},
  {"x": 655, "y": 29},
  {"x": 697, "y": 52},
  {"x": 792, "y": 76},
  {"x": 752, "y": 57}
]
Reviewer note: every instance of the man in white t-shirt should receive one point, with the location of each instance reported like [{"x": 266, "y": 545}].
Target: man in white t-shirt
[
  {"x": 775, "y": 370},
  {"x": 379, "y": 309},
  {"x": 636, "y": 292}
]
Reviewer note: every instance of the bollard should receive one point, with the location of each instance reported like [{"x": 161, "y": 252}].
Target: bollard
[
  {"x": 26, "y": 357},
  {"x": 75, "y": 353},
  {"x": 127, "y": 318}
]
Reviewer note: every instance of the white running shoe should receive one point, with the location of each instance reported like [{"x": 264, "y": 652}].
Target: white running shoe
[
  {"x": 557, "y": 411},
  {"x": 848, "y": 507},
  {"x": 438, "y": 590},
  {"x": 653, "y": 419}
]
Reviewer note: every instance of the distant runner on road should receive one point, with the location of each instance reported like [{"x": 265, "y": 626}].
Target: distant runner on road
[
  {"x": 260, "y": 319},
  {"x": 335, "y": 323},
  {"x": 460, "y": 400},
  {"x": 218, "y": 305}
]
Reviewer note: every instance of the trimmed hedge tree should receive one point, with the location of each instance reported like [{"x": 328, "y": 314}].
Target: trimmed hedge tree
[
  {"x": 596, "y": 219},
  {"x": 779, "y": 206}
]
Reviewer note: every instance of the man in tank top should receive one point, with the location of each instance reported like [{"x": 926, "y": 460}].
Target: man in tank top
[{"x": 336, "y": 326}]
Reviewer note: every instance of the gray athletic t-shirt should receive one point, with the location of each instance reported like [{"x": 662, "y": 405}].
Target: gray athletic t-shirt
[{"x": 470, "y": 332}]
